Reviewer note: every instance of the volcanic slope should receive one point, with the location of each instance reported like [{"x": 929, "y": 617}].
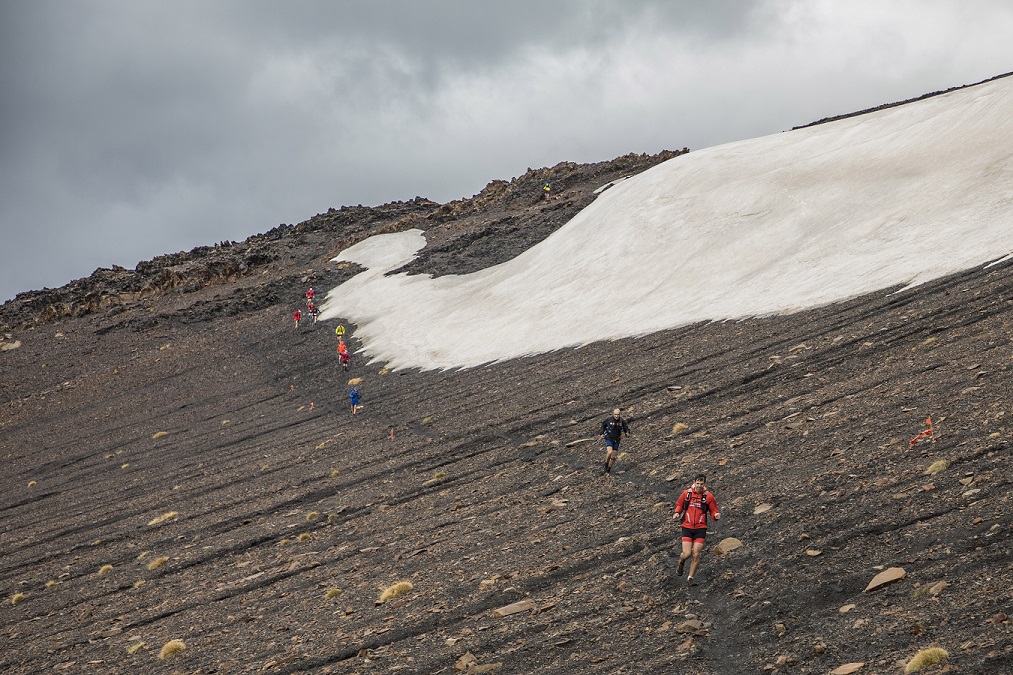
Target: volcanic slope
[{"x": 171, "y": 423}]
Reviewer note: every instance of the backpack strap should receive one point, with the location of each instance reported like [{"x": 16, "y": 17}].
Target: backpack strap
[{"x": 685, "y": 497}]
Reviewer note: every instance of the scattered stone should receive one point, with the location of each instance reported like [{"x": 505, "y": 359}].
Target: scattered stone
[
  {"x": 515, "y": 608},
  {"x": 464, "y": 661},
  {"x": 885, "y": 578},
  {"x": 476, "y": 669},
  {"x": 938, "y": 587},
  {"x": 813, "y": 552},
  {"x": 762, "y": 508},
  {"x": 577, "y": 442},
  {"x": 848, "y": 668},
  {"x": 690, "y": 626},
  {"x": 727, "y": 545},
  {"x": 846, "y": 608},
  {"x": 8, "y": 346}
]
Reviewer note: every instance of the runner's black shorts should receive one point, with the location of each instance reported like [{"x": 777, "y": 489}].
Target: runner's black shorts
[{"x": 694, "y": 535}]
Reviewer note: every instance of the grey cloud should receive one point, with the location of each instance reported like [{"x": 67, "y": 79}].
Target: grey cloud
[{"x": 129, "y": 129}]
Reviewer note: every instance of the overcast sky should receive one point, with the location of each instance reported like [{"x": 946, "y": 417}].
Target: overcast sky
[{"x": 129, "y": 128}]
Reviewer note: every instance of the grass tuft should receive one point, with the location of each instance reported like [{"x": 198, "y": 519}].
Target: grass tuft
[
  {"x": 312, "y": 515},
  {"x": 18, "y": 597},
  {"x": 937, "y": 466},
  {"x": 332, "y": 593},
  {"x": 397, "y": 590},
  {"x": 162, "y": 518},
  {"x": 138, "y": 583},
  {"x": 335, "y": 473},
  {"x": 32, "y": 483},
  {"x": 284, "y": 542},
  {"x": 159, "y": 434},
  {"x": 105, "y": 569},
  {"x": 157, "y": 562},
  {"x": 439, "y": 475},
  {"x": 679, "y": 428},
  {"x": 50, "y": 583},
  {"x": 142, "y": 555},
  {"x": 171, "y": 648},
  {"x": 136, "y": 647},
  {"x": 926, "y": 658},
  {"x": 305, "y": 536}
]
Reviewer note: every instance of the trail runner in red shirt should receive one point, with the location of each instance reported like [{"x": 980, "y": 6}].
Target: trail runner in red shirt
[{"x": 691, "y": 510}]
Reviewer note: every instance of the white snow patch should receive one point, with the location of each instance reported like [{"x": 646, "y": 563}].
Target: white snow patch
[{"x": 771, "y": 225}]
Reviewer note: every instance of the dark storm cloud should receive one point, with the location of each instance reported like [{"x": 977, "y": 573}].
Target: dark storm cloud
[{"x": 130, "y": 129}]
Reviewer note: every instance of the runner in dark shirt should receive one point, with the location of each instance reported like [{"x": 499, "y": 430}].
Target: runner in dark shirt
[{"x": 612, "y": 430}]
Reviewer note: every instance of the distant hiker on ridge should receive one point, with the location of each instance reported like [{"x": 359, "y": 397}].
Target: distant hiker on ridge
[
  {"x": 354, "y": 395},
  {"x": 311, "y": 309},
  {"x": 691, "y": 511},
  {"x": 297, "y": 315},
  {"x": 545, "y": 192},
  {"x": 612, "y": 430},
  {"x": 310, "y": 294}
]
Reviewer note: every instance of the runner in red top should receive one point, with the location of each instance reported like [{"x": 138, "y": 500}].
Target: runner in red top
[
  {"x": 691, "y": 511},
  {"x": 343, "y": 353}
]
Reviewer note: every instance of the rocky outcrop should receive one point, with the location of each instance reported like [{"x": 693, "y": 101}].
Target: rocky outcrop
[{"x": 500, "y": 222}]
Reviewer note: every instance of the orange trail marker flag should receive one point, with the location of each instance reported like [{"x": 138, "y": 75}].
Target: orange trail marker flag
[{"x": 927, "y": 433}]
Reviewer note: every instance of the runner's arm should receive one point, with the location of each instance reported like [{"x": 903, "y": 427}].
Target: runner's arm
[{"x": 679, "y": 503}]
